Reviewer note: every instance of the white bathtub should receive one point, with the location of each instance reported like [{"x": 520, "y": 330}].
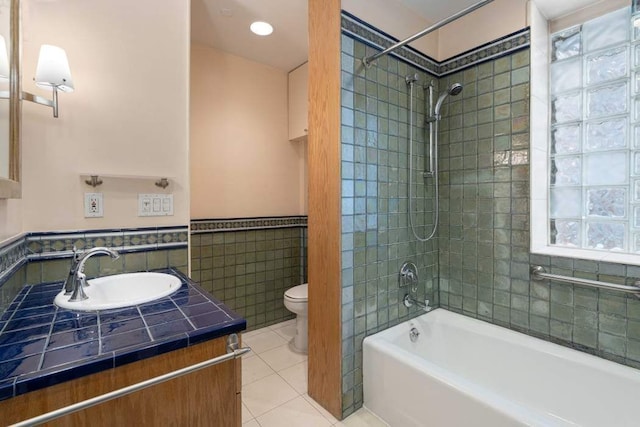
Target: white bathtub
[{"x": 465, "y": 372}]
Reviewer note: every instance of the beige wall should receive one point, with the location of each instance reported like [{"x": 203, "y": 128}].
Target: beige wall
[
  {"x": 242, "y": 164},
  {"x": 10, "y": 218},
  {"x": 128, "y": 115},
  {"x": 395, "y": 19},
  {"x": 496, "y": 19}
]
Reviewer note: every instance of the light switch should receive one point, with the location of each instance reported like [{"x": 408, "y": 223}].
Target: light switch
[{"x": 155, "y": 204}]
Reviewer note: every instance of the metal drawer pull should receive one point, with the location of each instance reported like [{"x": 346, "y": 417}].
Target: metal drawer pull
[{"x": 233, "y": 353}]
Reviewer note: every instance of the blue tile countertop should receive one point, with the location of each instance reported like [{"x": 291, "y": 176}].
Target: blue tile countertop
[{"x": 42, "y": 345}]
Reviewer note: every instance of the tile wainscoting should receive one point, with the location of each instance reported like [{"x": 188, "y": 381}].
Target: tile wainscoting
[
  {"x": 35, "y": 258},
  {"x": 250, "y": 262}
]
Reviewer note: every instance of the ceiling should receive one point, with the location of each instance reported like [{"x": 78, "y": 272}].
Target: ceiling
[{"x": 224, "y": 24}]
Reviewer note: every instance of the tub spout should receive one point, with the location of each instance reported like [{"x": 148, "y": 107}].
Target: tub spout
[{"x": 409, "y": 301}]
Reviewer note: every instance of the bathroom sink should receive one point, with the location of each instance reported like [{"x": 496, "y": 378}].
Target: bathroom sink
[{"x": 121, "y": 290}]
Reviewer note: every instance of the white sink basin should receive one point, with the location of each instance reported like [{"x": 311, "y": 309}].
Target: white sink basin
[{"x": 121, "y": 290}]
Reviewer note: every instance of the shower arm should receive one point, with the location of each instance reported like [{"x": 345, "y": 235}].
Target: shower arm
[{"x": 368, "y": 60}]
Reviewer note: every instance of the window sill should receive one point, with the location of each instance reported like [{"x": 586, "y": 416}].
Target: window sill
[{"x": 620, "y": 258}]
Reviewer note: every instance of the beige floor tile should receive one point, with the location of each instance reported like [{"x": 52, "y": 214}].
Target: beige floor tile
[
  {"x": 287, "y": 332},
  {"x": 246, "y": 414},
  {"x": 296, "y": 412},
  {"x": 254, "y": 333},
  {"x": 252, "y": 423},
  {"x": 253, "y": 369},
  {"x": 282, "y": 324},
  {"x": 320, "y": 409},
  {"x": 282, "y": 357},
  {"x": 266, "y": 394},
  {"x": 296, "y": 376},
  {"x": 264, "y": 341},
  {"x": 362, "y": 418}
]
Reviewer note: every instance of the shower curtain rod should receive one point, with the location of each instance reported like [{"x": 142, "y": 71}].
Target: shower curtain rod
[{"x": 368, "y": 60}]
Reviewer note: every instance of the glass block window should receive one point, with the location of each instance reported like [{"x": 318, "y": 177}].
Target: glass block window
[{"x": 594, "y": 157}]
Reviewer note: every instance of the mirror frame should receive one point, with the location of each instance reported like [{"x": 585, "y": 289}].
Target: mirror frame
[{"x": 11, "y": 188}]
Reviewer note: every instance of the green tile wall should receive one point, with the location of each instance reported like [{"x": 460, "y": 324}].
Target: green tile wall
[
  {"x": 479, "y": 264},
  {"x": 376, "y": 238},
  {"x": 47, "y": 271},
  {"x": 250, "y": 270},
  {"x": 484, "y": 256},
  {"x": 10, "y": 287}
]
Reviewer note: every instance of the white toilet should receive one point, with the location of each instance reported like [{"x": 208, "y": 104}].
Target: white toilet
[{"x": 296, "y": 301}]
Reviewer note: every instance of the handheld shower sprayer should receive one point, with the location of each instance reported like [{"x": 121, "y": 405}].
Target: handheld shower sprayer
[
  {"x": 453, "y": 90},
  {"x": 432, "y": 172}
]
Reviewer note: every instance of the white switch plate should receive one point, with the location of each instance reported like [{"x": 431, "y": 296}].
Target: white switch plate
[
  {"x": 93, "y": 205},
  {"x": 155, "y": 204}
]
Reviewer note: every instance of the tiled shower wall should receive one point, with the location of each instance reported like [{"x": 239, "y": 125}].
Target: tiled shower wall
[
  {"x": 484, "y": 233},
  {"x": 250, "y": 270},
  {"x": 376, "y": 238},
  {"x": 482, "y": 251}
]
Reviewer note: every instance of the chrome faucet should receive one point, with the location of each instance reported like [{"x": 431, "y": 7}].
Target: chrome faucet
[
  {"x": 80, "y": 279},
  {"x": 409, "y": 301}
]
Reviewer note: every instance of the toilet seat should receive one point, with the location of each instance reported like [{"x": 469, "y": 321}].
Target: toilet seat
[{"x": 298, "y": 293}]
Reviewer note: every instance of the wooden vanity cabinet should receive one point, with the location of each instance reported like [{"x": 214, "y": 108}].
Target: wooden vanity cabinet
[{"x": 208, "y": 397}]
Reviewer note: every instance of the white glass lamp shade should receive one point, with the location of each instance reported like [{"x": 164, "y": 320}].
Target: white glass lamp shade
[
  {"x": 4, "y": 61},
  {"x": 53, "y": 69}
]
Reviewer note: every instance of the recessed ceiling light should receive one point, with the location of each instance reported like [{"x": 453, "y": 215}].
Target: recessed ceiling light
[{"x": 261, "y": 28}]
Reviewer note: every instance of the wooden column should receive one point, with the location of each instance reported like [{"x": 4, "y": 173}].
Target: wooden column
[{"x": 325, "y": 355}]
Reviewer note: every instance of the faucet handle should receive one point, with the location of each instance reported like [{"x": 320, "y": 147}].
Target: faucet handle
[
  {"x": 76, "y": 253},
  {"x": 78, "y": 289}
]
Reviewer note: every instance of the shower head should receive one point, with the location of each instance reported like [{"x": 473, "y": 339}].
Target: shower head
[{"x": 453, "y": 90}]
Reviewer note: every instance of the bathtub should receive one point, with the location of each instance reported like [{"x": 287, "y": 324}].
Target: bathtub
[{"x": 465, "y": 372}]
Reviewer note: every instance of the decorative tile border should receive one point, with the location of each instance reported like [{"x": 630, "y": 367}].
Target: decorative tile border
[
  {"x": 500, "y": 47},
  {"x": 60, "y": 245},
  {"x": 44, "y": 246},
  {"x": 372, "y": 36},
  {"x": 12, "y": 256},
  {"x": 219, "y": 225},
  {"x": 378, "y": 39}
]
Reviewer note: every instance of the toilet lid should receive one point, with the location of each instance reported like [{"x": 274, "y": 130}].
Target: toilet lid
[{"x": 298, "y": 292}]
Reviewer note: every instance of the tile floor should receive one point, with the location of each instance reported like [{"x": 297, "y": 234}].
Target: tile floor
[{"x": 274, "y": 385}]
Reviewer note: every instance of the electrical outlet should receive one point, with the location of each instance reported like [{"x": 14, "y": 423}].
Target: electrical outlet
[
  {"x": 93, "y": 205},
  {"x": 155, "y": 204}
]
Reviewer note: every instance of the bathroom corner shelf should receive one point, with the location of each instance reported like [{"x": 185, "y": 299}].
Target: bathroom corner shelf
[{"x": 94, "y": 179}]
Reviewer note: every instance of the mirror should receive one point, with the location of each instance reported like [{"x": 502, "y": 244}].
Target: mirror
[{"x": 10, "y": 109}]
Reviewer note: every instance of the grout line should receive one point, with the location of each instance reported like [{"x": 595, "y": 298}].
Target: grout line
[
  {"x": 249, "y": 411},
  {"x": 48, "y": 339},
  {"x": 282, "y": 404}
]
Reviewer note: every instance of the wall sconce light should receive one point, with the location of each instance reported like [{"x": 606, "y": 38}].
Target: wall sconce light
[{"x": 52, "y": 72}]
